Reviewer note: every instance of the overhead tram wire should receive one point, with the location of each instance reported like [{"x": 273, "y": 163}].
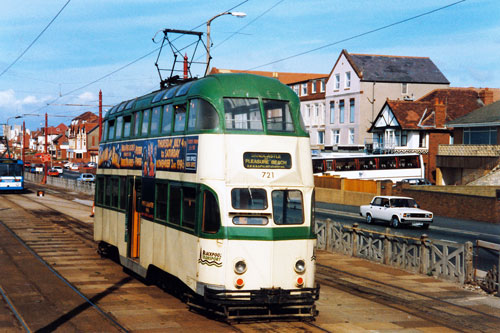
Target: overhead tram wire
[
  {"x": 136, "y": 60},
  {"x": 124, "y": 66},
  {"x": 359, "y": 35},
  {"x": 34, "y": 41}
]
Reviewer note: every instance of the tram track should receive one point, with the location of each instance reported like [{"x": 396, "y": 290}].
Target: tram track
[
  {"x": 434, "y": 309},
  {"x": 65, "y": 244}
]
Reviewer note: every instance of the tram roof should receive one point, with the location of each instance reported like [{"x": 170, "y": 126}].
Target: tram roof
[{"x": 212, "y": 87}]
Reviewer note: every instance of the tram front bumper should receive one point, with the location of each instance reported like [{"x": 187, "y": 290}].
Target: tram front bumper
[{"x": 264, "y": 296}]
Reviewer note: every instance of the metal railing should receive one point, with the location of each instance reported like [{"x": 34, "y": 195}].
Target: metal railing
[{"x": 448, "y": 260}]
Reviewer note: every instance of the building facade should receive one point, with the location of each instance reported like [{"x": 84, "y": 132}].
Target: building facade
[{"x": 358, "y": 87}]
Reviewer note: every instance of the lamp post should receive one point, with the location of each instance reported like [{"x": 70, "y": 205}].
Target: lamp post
[{"x": 237, "y": 14}]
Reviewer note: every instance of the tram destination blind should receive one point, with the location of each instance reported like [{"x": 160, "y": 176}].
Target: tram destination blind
[{"x": 255, "y": 160}]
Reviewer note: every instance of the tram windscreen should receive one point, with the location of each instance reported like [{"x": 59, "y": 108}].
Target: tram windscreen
[
  {"x": 11, "y": 170},
  {"x": 242, "y": 114},
  {"x": 249, "y": 198},
  {"x": 287, "y": 207},
  {"x": 278, "y": 116}
]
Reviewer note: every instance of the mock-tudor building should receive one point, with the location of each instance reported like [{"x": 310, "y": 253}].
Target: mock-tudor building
[
  {"x": 358, "y": 87},
  {"x": 421, "y": 126},
  {"x": 474, "y": 156},
  {"x": 78, "y": 133}
]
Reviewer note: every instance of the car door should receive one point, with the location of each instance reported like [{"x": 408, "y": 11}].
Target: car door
[
  {"x": 375, "y": 207},
  {"x": 385, "y": 210}
]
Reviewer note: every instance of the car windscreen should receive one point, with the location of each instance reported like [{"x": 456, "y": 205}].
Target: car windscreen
[{"x": 403, "y": 203}]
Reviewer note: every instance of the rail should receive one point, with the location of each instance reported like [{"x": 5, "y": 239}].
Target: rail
[{"x": 448, "y": 260}]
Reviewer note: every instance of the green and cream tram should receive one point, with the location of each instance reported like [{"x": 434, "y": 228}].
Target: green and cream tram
[{"x": 211, "y": 181}]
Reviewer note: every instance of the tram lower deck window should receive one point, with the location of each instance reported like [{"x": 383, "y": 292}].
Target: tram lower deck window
[{"x": 287, "y": 207}]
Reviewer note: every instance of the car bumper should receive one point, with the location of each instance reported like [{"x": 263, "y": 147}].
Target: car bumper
[{"x": 416, "y": 222}]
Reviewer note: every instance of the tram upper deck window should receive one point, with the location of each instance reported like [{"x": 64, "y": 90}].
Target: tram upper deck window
[
  {"x": 202, "y": 115},
  {"x": 121, "y": 107},
  {"x": 170, "y": 92},
  {"x": 249, "y": 198},
  {"x": 127, "y": 122},
  {"x": 166, "y": 126},
  {"x": 183, "y": 90},
  {"x": 105, "y": 130},
  {"x": 119, "y": 127},
  {"x": 145, "y": 122},
  {"x": 158, "y": 96},
  {"x": 180, "y": 117},
  {"x": 155, "y": 120},
  {"x": 129, "y": 104},
  {"x": 113, "y": 109},
  {"x": 111, "y": 129},
  {"x": 278, "y": 116},
  {"x": 287, "y": 207},
  {"x": 137, "y": 122},
  {"x": 242, "y": 114}
]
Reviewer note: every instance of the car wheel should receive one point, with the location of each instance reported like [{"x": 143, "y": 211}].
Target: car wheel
[
  {"x": 425, "y": 226},
  {"x": 395, "y": 222},
  {"x": 369, "y": 218}
]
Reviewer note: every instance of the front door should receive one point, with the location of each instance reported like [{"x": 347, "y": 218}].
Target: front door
[{"x": 134, "y": 217}]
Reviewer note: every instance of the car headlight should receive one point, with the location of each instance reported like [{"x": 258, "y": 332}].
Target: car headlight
[
  {"x": 406, "y": 214},
  {"x": 240, "y": 267},
  {"x": 428, "y": 215},
  {"x": 300, "y": 266}
]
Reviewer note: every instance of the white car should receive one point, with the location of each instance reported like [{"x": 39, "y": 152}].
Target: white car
[
  {"x": 59, "y": 169},
  {"x": 396, "y": 211}
]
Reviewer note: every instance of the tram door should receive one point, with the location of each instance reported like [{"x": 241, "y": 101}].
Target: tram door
[{"x": 134, "y": 217}]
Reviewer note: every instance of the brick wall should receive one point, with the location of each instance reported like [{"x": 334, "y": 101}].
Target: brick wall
[{"x": 455, "y": 205}]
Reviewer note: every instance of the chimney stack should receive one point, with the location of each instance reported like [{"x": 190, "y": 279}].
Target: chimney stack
[
  {"x": 486, "y": 96},
  {"x": 439, "y": 113}
]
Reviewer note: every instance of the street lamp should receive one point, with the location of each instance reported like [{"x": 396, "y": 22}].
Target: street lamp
[{"x": 237, "y": 14}]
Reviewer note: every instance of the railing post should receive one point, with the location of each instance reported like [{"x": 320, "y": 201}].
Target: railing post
[
  {"x": 387, "y": 247},
  {"x": 468, "y": 265},
  {"x": 424, "y": 255},
  {"x": 328, "y": 234},
  {"x": 355, "y": 237}
]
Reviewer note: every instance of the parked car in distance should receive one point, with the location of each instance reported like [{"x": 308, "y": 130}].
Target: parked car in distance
[
  {"x": 86, "y": 177},
  {"x": 53, "y": 172},
  {"x": 59, "y": 169},
  {"x": 76, "y": 166},
  {"x": 417, "y": 181},
  {"x": 92, "y": 165},
  {"x": 38, "y": 168},
  {"x": 397, "y": 211},
  {"x": 67, "y": 164}
]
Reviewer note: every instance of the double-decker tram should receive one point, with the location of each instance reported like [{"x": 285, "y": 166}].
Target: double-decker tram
[
  {"x": 395, "y": 167},
  {"x": 11, "y": 175},
  {"x": 211, "y": 182}
]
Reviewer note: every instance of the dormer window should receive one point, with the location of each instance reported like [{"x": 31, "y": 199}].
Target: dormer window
[
  {"x": 313, "y": 87},
  {"x": 322, "y": 86},
  {"x": 304, "y": 89}
]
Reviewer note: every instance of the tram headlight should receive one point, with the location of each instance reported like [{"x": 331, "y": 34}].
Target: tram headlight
[
  {"x": 240, "y": 267},
  {"x": 300, "y": 266}
]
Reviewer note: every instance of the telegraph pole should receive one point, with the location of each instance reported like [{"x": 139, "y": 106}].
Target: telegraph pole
[
  {"x": 44, "y": 181},
  {"x": 100, "y": 115}
]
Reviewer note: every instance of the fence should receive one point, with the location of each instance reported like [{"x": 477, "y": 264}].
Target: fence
[
  {"x": 69, "y": 184},
  {"x": 448, "y": 260}
]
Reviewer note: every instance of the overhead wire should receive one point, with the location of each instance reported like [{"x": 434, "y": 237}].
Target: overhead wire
[
  {"x": 35, "y": 40},
  {"x": 359, "y": 35},
  {"x": 126, "y": 65}
]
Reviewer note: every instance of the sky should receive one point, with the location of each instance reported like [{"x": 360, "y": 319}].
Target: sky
[{"x": 108, "y": 45}]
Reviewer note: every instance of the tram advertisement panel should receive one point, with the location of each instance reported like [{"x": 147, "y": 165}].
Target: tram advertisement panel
[{"x": 177, "y": 154}]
